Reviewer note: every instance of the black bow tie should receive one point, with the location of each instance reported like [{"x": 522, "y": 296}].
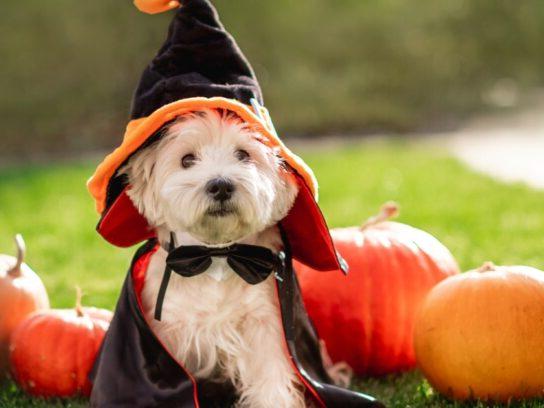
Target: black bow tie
[{"x": 252, "y": 263}]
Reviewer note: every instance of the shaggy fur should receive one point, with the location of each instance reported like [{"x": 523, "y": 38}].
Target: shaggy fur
[{"x": 216, "y": 324}]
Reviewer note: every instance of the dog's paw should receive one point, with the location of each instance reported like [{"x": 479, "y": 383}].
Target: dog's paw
[{"x": 341, "y": 373}]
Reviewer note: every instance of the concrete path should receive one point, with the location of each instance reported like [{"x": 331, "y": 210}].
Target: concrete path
[{"x": 509, "y": 147}]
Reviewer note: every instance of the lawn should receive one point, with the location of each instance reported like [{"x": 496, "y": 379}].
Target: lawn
[{"x": 477, "y": 218}]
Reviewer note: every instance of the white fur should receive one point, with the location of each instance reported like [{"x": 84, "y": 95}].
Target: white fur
[
  {"x": 216, "y": 324},
  {"x": 173, "y": 198}
]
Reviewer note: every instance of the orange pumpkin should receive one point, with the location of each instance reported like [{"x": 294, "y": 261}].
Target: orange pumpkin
[
  {"x": 21, "y": 293},
  {"x": 481, "y": 334},
  {"x": 366, "y": 318},
  {"x": 52, "y": 352}
]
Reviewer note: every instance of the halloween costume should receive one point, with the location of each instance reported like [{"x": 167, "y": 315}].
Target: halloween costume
[{"x": 201, "y": 67}]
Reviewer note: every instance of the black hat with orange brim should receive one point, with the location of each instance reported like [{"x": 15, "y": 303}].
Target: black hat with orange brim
[{"x": 199, "y": 67}]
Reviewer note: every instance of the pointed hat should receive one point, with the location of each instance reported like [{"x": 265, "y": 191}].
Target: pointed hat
[{"x": 200, "y": 66}]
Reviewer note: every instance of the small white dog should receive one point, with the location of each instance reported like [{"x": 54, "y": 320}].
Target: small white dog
[{"x": 211, "y": 182}]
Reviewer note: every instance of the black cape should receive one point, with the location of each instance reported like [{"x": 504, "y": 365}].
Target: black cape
[{"x": 134, "y": 369}]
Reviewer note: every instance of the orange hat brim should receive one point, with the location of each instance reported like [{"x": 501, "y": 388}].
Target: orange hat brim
[{"x": 139, "y": 130}]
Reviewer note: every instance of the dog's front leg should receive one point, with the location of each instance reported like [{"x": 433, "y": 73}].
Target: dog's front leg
[{"x": 266, "y": 377}]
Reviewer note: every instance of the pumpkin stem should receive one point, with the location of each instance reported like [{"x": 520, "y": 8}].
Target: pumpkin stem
[
  {"x": 21, "y": 251},
  {"x": 79, "y": 307},
  {"x": 388, "y": 211},
  {"x": 487, "y": 267}
]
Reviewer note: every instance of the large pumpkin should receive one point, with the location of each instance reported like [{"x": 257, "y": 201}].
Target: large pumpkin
[
  {"x": 366, "y": 318},
  {"x": 21, "y": 293},
  {"x": 481, "y": 334},
  {"x": 52, "y": 352}
]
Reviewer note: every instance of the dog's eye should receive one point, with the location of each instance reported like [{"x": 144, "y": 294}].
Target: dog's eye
[
  {"x": 188, "y": 160},
  {"x": 242, "y": 155}
]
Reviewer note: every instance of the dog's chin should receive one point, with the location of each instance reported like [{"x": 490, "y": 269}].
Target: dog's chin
[
  {"x": 221, "y": 225},
  {"x": 220, "y": 212}
]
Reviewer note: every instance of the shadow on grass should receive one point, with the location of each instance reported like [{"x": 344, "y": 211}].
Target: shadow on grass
[
  {"x": 412, "y": 390},
  {"x": 13, "y": 397},
  {"x": 409, "y": 390}
]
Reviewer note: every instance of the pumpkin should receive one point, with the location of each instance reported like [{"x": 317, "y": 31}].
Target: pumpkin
[
  {"x": 481, "y": 334},
  {"x": 53, "y": 351},
  {"x": 367, "y": 317},
  {"x": 21, "y": 293}
]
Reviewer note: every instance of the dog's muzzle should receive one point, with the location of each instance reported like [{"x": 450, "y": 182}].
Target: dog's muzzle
[{"x": 220, "y": 189}]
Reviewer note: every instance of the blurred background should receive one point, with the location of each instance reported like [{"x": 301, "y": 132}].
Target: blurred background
[{"x": 344, "y": 67}]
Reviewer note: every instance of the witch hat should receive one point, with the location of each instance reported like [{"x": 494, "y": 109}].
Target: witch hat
[
  {"x": 199, "y": 59},
  {"x": 199, "y": 67}
]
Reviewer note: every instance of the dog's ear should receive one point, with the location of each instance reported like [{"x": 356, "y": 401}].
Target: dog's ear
[
  {"x": 283, "y": 166},
  {"x": 286, "y": 187},
  {"x": 140, "y": 171}
]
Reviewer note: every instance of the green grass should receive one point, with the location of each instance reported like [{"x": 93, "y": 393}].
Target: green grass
[{"x": 477, "y": 218}]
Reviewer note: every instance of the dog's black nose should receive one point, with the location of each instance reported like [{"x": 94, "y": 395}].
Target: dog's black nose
[{"x": 220, "y": 189}]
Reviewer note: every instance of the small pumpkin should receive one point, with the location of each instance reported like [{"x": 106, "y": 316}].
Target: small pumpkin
[
  {"x": 366, "y": 318},
  {"x": 53, "y": 351},
  {"x": 480, "y": 335},
  {"x": 21, "y": 293}
]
